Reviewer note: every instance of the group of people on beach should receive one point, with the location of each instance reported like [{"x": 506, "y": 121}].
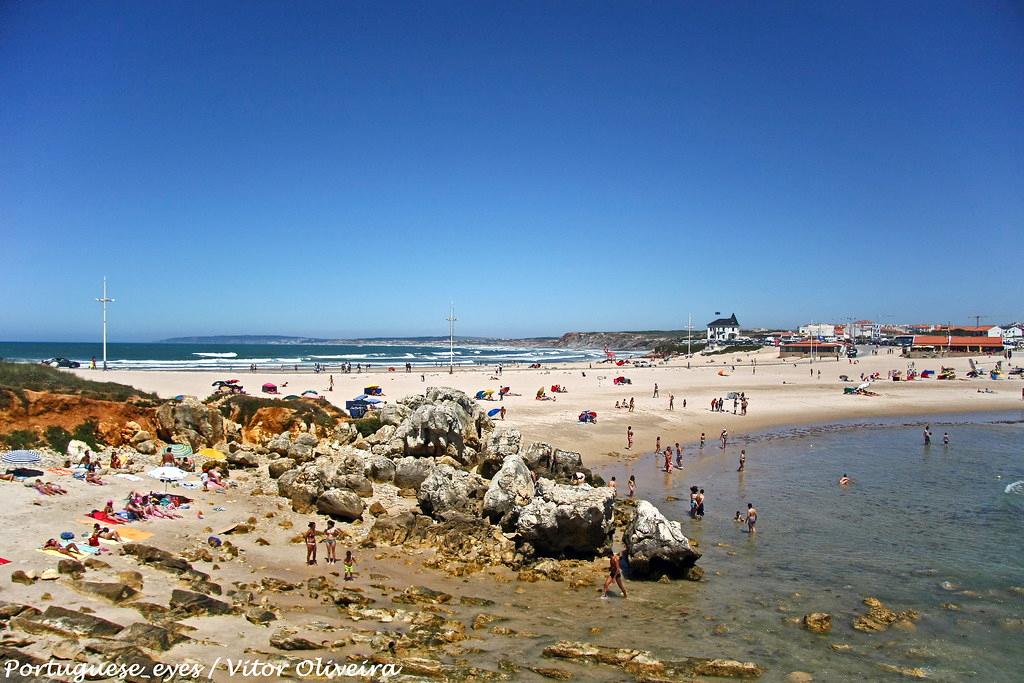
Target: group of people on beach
[{"x": 330, "y": 540}]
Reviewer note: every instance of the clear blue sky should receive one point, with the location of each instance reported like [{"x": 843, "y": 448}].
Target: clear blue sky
[{"x": 345, "y": 169}]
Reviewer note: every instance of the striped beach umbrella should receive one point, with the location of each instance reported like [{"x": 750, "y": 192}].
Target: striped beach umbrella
[
  {"x": 21, "y": 457},
  {"x": 180, "y": 450}
]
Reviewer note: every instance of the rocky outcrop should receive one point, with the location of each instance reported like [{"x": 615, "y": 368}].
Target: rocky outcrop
[
  {"x": 341, "y": 504},
  {"x": 643, "y": 665},
  {"x": 500, "y": 446},
  {"x": 447, "y": 489},
  {"x": 818, "y": 622},
  {"x": 65, "y": 622},
  {"x": 574, "y": 521},
  {"x": 411, "y": 472},
  {"x": 656, "y": 546},
  {"x": 441, "y": 422},
  {"x": 379, "y": 469},
  {"x": 398, "y": 529},
  {"x": 302, "y": 486},
  {"x": 192, "y": 422},
  {"x": 879, "y": 617},
  {"x": 511, "y": 488}
]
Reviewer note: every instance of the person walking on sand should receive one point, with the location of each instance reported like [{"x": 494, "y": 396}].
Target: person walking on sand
[
  {"x": 657, "y": 445},
  {"x": 655, "y": 390},
  {"x": 743, "y": 461},
  {"x": 349, "y": 565},
  {"x": 330, "y": 383},
  {"x": 743, "y": 406},
  {"x": 671, "y": 401},
  {"x": 714, "y": 402},
  {"x": 684, "y": 404},
  {"x": 631, "y": 404},
  {"x": 503, "y": 411},
  {"x": 331, "y": 542},
  {"x": 629, "y": 437},
  {"x": 751, "y": 518},
  {"x": 724, "y": 436},
  {"x": 702, "y": 439},
  {"x": 310, "y": 537},
  {"x": 614, "y": 575},
  {"x": 632, "y": 485}
]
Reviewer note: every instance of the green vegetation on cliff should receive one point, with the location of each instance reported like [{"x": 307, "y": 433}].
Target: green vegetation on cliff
[{"x": 19, "y": 377}]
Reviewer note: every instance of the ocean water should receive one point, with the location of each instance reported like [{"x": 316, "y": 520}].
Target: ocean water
[
  {"x": 932, "y": 529},
  {"x": 280, "y": 356}
]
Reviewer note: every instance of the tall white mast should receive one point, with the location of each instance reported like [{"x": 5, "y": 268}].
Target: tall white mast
[
  {"x": 105, "y": 300},
  {"x": 689, "y": 331},
  {"x": 451, "y": 339}
]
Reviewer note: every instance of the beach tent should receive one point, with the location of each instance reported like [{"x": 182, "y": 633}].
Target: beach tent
[
  {"x": 269, "y": 388},
  {"x": 493, "y": 411},
  {"x": 588, "y": 416},
  {"x": 479, "y": 395},
  {"x": 311, "y": 393},
  {"x": 21, "y": 457},
  {"x": 367, "y": 399}
]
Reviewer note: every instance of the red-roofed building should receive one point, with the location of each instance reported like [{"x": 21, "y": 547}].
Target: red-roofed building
[
  {"x": 972, "y": 330},
  {"x": 936, "y": 345}
]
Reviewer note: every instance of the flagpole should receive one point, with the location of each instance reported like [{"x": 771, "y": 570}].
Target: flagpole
[
  {"x": 451, "y": 340},
  {"x": 105, "y": 300}
]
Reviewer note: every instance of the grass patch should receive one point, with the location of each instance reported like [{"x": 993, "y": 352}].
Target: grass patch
[
  {"x": 58, "y": 438},
  {"x": 19, "y": 377},
  {"x": 242, "y": 409},
  {"x": 21, "y": 439},
  {"x": 367, "y": 424},
  {"x": 89, "y": 433}
]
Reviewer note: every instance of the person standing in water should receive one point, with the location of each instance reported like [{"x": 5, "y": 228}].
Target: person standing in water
[
  {"x": 632, "y": 485},
  {"x": 724, "y": 436},
  {"x": 668, "y": 459},
  {"x": 629, "y": 437},
  {"x": 657, "y": 444},
  {"x": 702, "y": 439},
  {"x": 743, "y": 461},
  {"x": 612, "y": 484},
  {"x": 751, "y": 518},
  {"x": 927, "y": 435},
  {"x": 700, "y": 504},
  {"x": 945, "y": 438},
  {"x": 844, "y": 480},
  {"x": 614, "y": 575},
  {"x": 679, "y": 456}
]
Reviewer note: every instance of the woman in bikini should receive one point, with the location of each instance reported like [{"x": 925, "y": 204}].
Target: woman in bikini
[
  {"x": 331, "y": 541},
  {"x": 614, "y": 575},
  {"x": 54, "y": 544},
  {"x": 310, "y": 537}
]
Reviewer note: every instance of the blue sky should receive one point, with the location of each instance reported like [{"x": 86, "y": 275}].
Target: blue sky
[{"x": 345, "y": 169}]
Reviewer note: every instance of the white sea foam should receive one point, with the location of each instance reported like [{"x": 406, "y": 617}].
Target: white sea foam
[{"x": 229, "y": 354}]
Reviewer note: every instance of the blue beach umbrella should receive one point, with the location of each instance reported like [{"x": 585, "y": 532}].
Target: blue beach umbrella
[{"x": 21, "y": 457}]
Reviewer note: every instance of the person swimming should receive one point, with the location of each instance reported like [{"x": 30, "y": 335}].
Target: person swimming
[{"x": 844, "y": 480}]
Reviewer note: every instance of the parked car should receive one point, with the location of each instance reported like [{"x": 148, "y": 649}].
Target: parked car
[
  {"x": 851, "y": 352},
  {"x": 62, "y": 363}
]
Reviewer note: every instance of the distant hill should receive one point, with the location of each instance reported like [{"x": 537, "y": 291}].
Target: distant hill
[{"x": 244, "y": 339}]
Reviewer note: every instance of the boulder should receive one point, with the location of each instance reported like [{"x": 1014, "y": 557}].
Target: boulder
[
  {"x": 538, "y": 457},
  {"x": 190, "y": 421},
  {"x": 341, "y": 503},
  {"x": 567, "y": 520},
  {"x": 76, "y": 449},
  {"x": 512, "y": 487},
  {"x": 66, "y": 622},
  {"x": 152, "y": 637},
  {"x": 115, "y": 592},
  {"x": 280, "y": 444},
  {"x": 397, "y": 529},
  {"x": 379, "y": 468},
  {"x": 499, "y": 447},
  {"x": 356, "y": 483},
  {"x": 447, "y": 489},
  {"x": 393, "y": 414},
  {"x": 656, "y": 546},
  {"x": 410, "y": 473},
  {"x": 243, "y": 458},
  {"x": 302, "y": 486},
  {"x": 140, "y": 436},
  {"x": 430, "y": 430},
  {"x": 147, "y": 447},
  {"x": 279, "y": 466},
  {"x": 283, "y": 641}
]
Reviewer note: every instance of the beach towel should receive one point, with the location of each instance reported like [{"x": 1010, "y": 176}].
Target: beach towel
[
  {"x": 54, "y": 553},
  {"x": 129, "y": 477},
  {"x": 83, "y": 546},
  {"x": 130, "y": 534},
  {"x": 3, "y": 561},
  {"x": 59, "y": 471},
  {"x": 104, "y": 517}
]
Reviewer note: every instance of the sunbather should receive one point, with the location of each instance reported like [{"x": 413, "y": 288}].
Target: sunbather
[
  {"x": 93, "y": 478},
  {"x": 54, "y": 544},
  {"x": 115, "y": 462}
]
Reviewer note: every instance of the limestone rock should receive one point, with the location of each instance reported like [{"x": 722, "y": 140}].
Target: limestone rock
[
  {"x": 447, "y": 489},
  {"x": 567, "y": 520},
  {"x": 380, "y": 469},
  {"x": 499, "y": 447},
  {"x": 283, "y": 641},
  {"x": 341, "y": 503},
  {"x": 152, "y": 637},
  {"x": 66, "y": 622},
  {"x": 197, "y": 604},
  {"x": 411, "y": 472},
  {"x": 243, "y": 458},
  {"x": 115, "y": 592},
  {"x": 512, "y": 487},
  {"x": 397, "y": 529},
  {"x": 279, "y": 466},
  {"x": 656, "y": 546},
  {"x": 190, "y": 421}
]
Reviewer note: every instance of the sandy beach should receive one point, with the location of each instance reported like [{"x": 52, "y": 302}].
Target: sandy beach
[{"x": 781, "y": 393}]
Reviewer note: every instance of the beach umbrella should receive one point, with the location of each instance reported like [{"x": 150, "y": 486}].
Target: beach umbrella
[
  {"x": 865, "y": 385},
  {"x": 493, "y": 411},
  {"x": 212, "y": 454},
  {"x": 310, "y": 392},
  {"x": 180, "y": 450},
  {"x": 168, "y": 473},
  {"x": 21, "y": 457}
]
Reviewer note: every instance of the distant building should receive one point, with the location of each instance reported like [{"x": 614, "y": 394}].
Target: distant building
[
  {"x": 938, "y": 346},
  {"x": 1013, "y": 333},
  {"x": 806, "y": 348},
  {"x": 819, "y": 331},
  {"x": 723, "y": 329},
  {"x": 865, "y": 330},
  {"x": 970, "y": 330}
]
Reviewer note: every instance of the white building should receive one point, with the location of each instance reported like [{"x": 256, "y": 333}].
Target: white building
[
  {"x": 723, "y": 329},
  {"x": 865, "y": 329},
  {"x": 819, "y": 330},
  {"x": 1013, "y": 333}
]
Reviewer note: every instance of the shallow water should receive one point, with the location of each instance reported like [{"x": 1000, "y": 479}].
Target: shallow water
[{"x": 921, "y": 526}]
